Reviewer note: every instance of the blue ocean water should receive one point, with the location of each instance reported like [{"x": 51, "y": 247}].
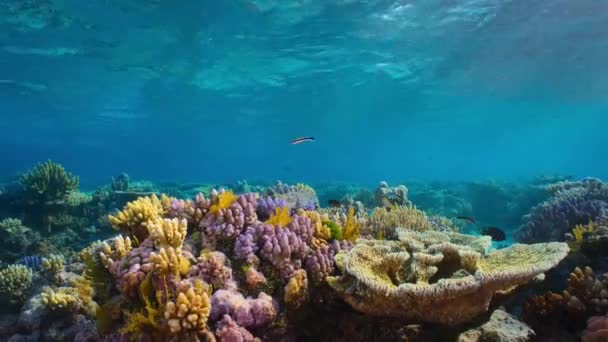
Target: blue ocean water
[{"x": 216, "y": 90}]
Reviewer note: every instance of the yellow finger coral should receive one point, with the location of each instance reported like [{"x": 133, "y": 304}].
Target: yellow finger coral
[
  {"x": 170, "y": 261},
  {"x": 322, "y": 232},
  {"x": 75, "y": 298},
  {"x": 189, "y": 311},
  {"x": 449, "y": 282},
  {"x": 16, "y": 283},
  {"x": 53, "y": 265},
  {"x": 120, "y": 248},
  {"x": 135, "y": 217},
  {"x": 168, "y": 232}
]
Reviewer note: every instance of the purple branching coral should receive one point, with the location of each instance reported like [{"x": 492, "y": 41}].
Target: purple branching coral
[
  {"x": 247, "y": 312},
  {"x": 229, "y": 331},
  {"x": 228, "y": 223},
  {"x": 284, "y": 248},
  {"x": 132, "y": 270},
  {"x": 211, "y": 268},
  {"x": 191, "y": 210},
  {"x": 572, "y": 203},
  {"x": 268, "y": 205},
  {"x": 320, "y": 262}
]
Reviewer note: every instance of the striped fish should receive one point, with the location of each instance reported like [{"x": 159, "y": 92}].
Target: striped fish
[{"x": 31, "y": 261}]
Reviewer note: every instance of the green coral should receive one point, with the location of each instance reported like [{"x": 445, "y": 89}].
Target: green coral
[
  {"x": 335, "y": 229},
  {"x": 49, "y": 181},
  {"x": 15, "y": 283}
]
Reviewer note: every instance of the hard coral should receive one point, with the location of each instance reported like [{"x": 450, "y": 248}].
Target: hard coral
[
  {"x": 383, "y": 222},
  {"x": 137, "y": 215},
  {"x": 49, "y": 182},
  {"x": 448, "y": 283},
  {"x": 168, "y": 232},
  {"x": 190, "y": 310},
  {"x": 16, "y": 283}
]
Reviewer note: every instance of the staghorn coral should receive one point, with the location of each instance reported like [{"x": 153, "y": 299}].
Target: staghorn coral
[
  {"x": 382, "y": 222},
  {"x": 16, "y": 283},
  {"x": 190, "y": 310},
  {"x": 49, "y": 181},
  {"x": 168, "y": 232},
  {"x": 135, "y": 217},
  {"x": 447, "y": 282}
]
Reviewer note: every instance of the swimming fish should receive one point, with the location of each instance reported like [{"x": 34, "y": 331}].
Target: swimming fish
[
  {"x": 302, "y": 140},
  {"x": 496, "y": 233},
  {"x": 334, "y": 203},
  {"x": 31, "y": 261},
  {"x": 466, "y": 218}
]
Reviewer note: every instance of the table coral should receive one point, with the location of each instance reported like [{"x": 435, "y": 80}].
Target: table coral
[{"x": 446, "y": 283}]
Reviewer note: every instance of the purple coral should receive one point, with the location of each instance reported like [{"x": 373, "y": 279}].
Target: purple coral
[
  {"x": 247, "y": 312},
  {"x": 268, "y": 205},
  {"x": 229, "y": 223},
  {"x": 229, "y": 331},
  {"x": 211, "y": 268},
  {"x": 320, "y": 263},
  {"x": 572, "y": 203},
  {"x": 191, "y": 210},
  {"x": 284, "y": 248},
  {"x": 132, "y": 270}
]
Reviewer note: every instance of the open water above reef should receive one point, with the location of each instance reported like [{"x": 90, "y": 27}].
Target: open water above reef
[{"x": 446, "y": 193}]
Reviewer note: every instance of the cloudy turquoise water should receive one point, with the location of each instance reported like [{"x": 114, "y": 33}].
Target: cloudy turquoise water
[{"x": 215, "y": 90}]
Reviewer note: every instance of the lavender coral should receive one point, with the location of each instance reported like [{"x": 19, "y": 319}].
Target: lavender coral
[
  {"x": 247, "y": 312},
  {"x": 572, "y": 203},
  {"x": 227, "y": 223}
]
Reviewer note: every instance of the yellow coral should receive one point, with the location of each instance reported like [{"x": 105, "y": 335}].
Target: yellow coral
[
  {"x": 280, "y": 218},
  {"x": 59, "y": 299},
  {"x": 170, "y": 261},
  {"x": 135, "y": 217},
  {"x": 121, "y": 248},
  {"x": 352, "y": 228},
  {"x": 383, "y": 222},
  {"x": 146, "y": 320},
  {"x": 16, "y": 282},
  {"x": 224, "y": 201},
  {"x": 168, "y": 232},
  {"x": 321, "y": 231},
  {"x": 53, "y": 264},
  {"x": 296, "y": 290},
  {"x": 190, "y": 310},
  {"x": 579, "y": 231}
]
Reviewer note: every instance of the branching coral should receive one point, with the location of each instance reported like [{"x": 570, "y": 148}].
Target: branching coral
[
  {"x": 448, "y": 283},
  {"x": 137, "y": 215},
  {"x": 382, "y": 222},
  {"x": 49, "y": 181},
  {"x": 76, "y": 298},
  {"x": 168, "y": 232},
  {"x": 16, "y": 283},
  {"x": 211, "y": 268},
  {"x": 170, "y": 261},
  {"x": 227, "y": 223},
  {"x": 190, "y": 310},
  {"x": 120, "y": 249}
]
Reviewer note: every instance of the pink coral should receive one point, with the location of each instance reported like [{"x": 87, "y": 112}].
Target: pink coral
[
  {"x": 229, "y": 331},
  {"x": 247, "y": 312},
  {"x": 132, "y": 270},
  {"x": 228, "y": 223},
  {"x": 211, "y": 268},
  {"x": 597, "y": 329}
]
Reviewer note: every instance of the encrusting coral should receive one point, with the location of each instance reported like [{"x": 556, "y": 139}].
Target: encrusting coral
[{"x": 445, "y": 282}]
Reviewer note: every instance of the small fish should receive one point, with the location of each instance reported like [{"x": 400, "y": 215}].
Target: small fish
[
  {"x": 388, "y": 204},
  {"x": 334, "y": 203},
  {"x": 302, "y": 140},
  {"x": 466, "y": 218},
  {"x": 496, "y": 233},
  {"x": 31, "y": 261}
]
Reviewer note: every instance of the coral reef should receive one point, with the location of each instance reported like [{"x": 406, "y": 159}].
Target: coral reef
[
  {"x": 572, "y": 203},
  {"x": 382, "y": 223},
  {"x": 297, "y": 196},
  {"x": 396, "y": 195},
  {"x": 15, "y": 283},
  {"x": 424, "y": 278}
]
